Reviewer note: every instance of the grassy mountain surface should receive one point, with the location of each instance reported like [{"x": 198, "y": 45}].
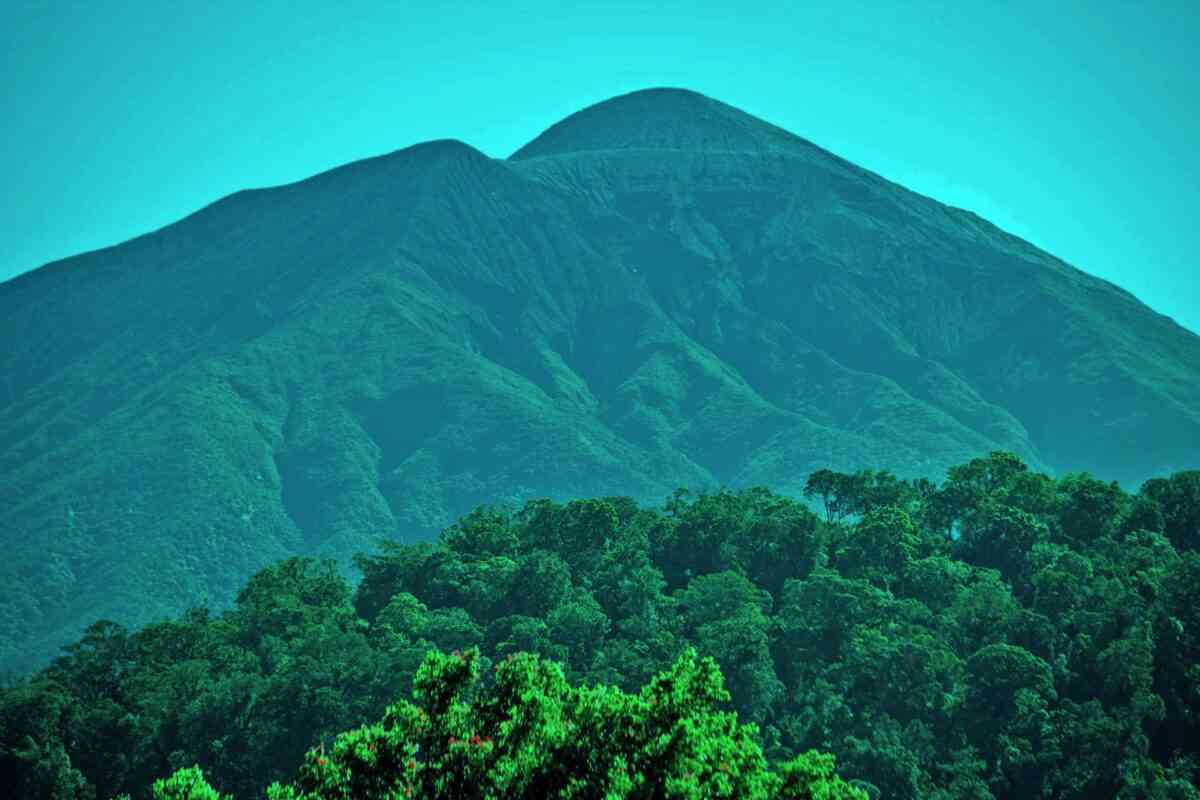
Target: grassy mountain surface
[{"x": 659, "y": 291}]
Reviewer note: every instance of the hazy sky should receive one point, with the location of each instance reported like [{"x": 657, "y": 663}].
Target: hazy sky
[{"x": 1075, "y": 128}]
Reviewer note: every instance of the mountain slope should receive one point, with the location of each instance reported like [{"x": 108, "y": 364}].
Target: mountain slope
[{"x": 658, "y": 291}]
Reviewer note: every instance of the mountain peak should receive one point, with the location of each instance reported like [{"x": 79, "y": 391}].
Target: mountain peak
[
  {"x": 660, "y": 119},
  {"x": 445, "y": 146}
]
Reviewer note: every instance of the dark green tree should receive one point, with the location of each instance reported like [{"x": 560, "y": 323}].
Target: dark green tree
[{"x": 1178, "y": 498}]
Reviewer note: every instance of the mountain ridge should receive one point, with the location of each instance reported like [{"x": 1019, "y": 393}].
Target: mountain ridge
[{"x": 377, "y": 349}]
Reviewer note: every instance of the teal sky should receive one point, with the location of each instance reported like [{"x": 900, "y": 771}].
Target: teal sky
[{"x": 1073, "y": 127}]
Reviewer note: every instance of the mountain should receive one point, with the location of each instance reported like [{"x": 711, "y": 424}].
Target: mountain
[{"x": 658, "y": 291}]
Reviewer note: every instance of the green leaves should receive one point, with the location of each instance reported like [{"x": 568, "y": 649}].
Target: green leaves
[
  {"x": 879, "y": 547},
  {"x": 811, "y": 776},
  {"x": 36, "y": 720},
  {"x": 1178, "y": 499},
  {"x": 1089, "y": 509},
  {"x": 530, "y": 734},
  {"x": 1004, "y": 682},
  {"x": 1048, "y": 647},
  {"x": 186, "y": 784},
  {"x": 1000, "y": 536}
]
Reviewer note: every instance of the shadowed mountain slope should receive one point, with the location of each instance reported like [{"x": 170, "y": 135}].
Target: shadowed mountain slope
[{"x": 658, "y": 291}]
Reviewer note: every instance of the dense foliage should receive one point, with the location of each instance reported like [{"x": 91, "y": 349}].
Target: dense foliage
[
  {"x": 531, "y": 735},
  {"x": 1002, "y": 635}
]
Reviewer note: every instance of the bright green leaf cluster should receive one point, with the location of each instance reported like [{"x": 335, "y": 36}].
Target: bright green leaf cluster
[{"x": 531, "y": 734}]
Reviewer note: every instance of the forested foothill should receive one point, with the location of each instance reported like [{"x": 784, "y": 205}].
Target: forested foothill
[{"x": 1004, "y": 634}]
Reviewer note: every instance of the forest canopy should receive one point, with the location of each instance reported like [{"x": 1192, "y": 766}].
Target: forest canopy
[{"x": 1004, "y": 634}]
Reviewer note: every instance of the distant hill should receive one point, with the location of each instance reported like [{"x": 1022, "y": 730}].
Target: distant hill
[{"x": 658, "y": 291}]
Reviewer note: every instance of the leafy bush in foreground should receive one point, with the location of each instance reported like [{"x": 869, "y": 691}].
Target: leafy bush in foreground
[{"x": 530, "y": 734}]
